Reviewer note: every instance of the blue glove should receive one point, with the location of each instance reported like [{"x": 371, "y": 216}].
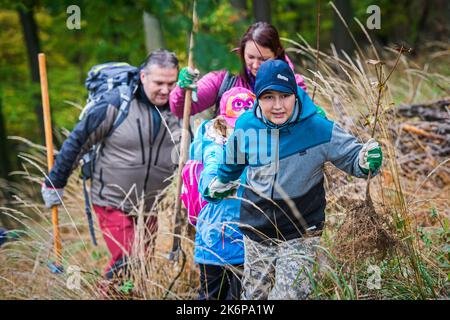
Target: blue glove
[{"x": 52, "y": 196}]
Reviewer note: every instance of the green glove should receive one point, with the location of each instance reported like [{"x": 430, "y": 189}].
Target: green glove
[
  {"x": 321, "y": 112},
  {"x": 370, "y": 157},
  {"x": 219, "y": 195},
  {"x": 187, "y": 79},
  {"x": 221, "y": 190}
]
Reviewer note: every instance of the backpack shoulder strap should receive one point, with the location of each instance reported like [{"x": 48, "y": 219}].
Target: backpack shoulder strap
[
  {"x": 227, "y": 83},
  {"x": 126, "y": 93}
]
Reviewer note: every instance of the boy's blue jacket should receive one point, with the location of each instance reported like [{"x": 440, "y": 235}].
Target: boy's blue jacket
[
  {"x": 218, "y": 240},
  {"x": 286, "y": 163}
]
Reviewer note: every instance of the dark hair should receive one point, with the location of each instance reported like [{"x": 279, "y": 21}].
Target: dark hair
[
  {"x": 265, "y": 35},
  {"x": 161, "y": 57}
]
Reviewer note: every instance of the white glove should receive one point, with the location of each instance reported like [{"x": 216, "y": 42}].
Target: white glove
[{"x": 52, "y": 196}]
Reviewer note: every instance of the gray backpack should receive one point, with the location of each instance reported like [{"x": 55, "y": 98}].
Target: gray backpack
[{"x": 105, "y": 77}]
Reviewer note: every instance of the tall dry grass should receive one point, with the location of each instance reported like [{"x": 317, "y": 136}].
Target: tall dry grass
[
  {"x": 346, "y": 88},
  {"x": 24, "y": 273}
]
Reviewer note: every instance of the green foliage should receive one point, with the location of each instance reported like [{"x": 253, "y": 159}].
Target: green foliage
[
  {"x": 110, "y": 31},
  {"x": 126, "y": 287},
  {"x": 300, "y": 17},
  {"x": 220, "y": 28},
  {"x": 113, "y": 31}
]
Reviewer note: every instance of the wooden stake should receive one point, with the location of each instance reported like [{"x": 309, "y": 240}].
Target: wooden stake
[
  {"x": 185, "y": 141},
  {"x": 49, "y": 145}
]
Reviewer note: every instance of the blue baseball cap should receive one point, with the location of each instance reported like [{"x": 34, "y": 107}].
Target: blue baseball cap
[{"x": 275, "y": 75}]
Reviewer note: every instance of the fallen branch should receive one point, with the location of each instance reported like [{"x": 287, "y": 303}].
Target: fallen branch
[
  {"x": 428, "y": 111},
  {"x": 414, "y": 130}
]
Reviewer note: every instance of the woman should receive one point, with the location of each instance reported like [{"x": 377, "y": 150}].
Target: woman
[{"x": 261, "y": 42}]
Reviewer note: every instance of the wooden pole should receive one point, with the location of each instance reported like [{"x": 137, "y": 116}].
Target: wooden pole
[
  {"x": 185, "y": 140},
  {"x": 49, "y": 145}
]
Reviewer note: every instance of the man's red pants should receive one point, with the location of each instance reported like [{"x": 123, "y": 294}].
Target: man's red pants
[{"x": 118, "y": 231}]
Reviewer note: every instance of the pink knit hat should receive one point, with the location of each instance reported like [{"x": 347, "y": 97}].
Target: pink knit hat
[{"x": 235, "y": 102}]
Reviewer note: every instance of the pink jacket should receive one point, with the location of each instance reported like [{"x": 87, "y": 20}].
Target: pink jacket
[{"x": 208, "y": 89}]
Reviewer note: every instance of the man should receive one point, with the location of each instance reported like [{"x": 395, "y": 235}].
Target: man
[
  {"x": 133, "y": 162},
  {"x": 283, "y": 208}
]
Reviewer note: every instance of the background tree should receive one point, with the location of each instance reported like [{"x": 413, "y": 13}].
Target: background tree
[
  {"x": 153, "y": 33},
  {"x": 4, "y": 159},
  {"x": 30, "y": 33},
  {"x": 115, "y": 31},
  {"x": 262, "y": 10},
  {"x": 340, "y": 36}
]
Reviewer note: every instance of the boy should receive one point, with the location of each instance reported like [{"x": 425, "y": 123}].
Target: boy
[{"x": 284, "y": 144}]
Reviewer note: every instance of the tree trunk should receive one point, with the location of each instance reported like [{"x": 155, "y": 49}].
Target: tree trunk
[
  {"x": 153, "y": 33},
  {"x": 4, "y": 159},
  {"x": 239, "y": 4},
  {"x": 440, "y": 25},
  {"x": 420, "y": 26},
  {"x": 4, "y": 166},
  {"x": 241, "y": 8},
  {"x": 30, "y": 33},
  {"x": 261, "y": 10},
  {"x": 341, "y": 37}
]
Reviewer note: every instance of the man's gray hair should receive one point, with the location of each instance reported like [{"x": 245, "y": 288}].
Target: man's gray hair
[{"x": 162, "y": 58}]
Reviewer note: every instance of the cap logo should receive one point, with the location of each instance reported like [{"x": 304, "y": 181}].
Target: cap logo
[{"x": 279, "y": 76}]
